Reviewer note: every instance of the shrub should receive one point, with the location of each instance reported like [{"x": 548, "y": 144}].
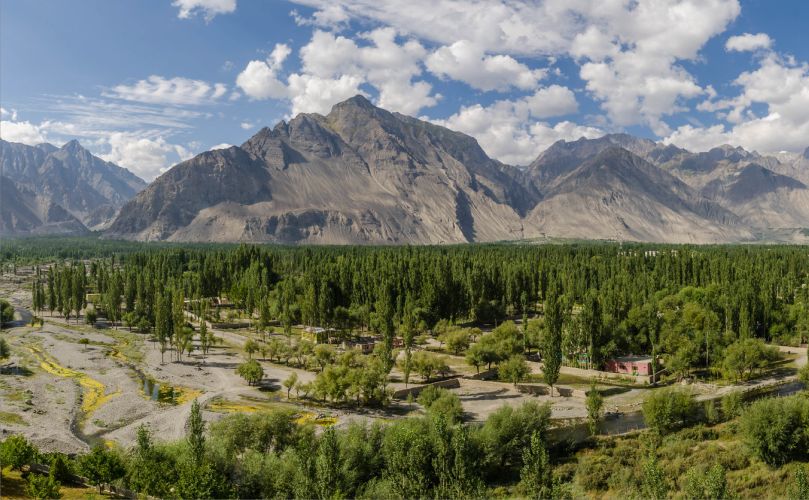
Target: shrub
[
  {"x": 43, "y": 487},
  {"x": 251, "y": 371},
  {"x": 732, "y": 405},
  {"x": 16, "y": 451},
  {"x": 668, "y": 409},
  {"x": 775, "y": 429}
]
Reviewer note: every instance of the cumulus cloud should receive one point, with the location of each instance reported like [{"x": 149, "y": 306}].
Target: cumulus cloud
[
  {"x": 21, "y": 131},
  {"x": 145, "y": 157},
  {"x": 782, "y": 86},
  {"x": 224, "y": 145},
  {"x": 178, "y": 91},
  {"x": 509, "y": 130},
  {"x": 548, "y": 102},
  {"x": 630, "y": 53},
  {"x": 334, "y": 68},
  {"x": 748, "y": 42},
  {"x": 259, "y": 80},
  {"x": 382, "y": 62},
  {"x": 467, "y": 62},
  {"x": 208, "y": 8},
  {"x": 313, "y": 94}
]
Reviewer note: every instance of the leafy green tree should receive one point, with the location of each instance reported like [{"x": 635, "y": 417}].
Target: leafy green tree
[
  {"x": 408, "y": 455},
  {"x": 536, "y": 473},
  {"x": 328, "y": 464},
  {"x": 775, "y": 429},
  {"x": 665, "y": 410},
  {"x": 6, "y": 312},
  {"x": 290, "y": 382},
  {"x": 101, "y": 467},
  {"x": 654, "y": 485},
  {"x": 324, "y": 355},
  {"x": 251, "y": 371},
  {"x": 5, "y": 350},
  {"x": 250, "y": 348},
  {"x": 457, "y": 340},
  {"x": 16, "y": 452},
  {"x": 196, "y": 434},
  {"x": 709, "y": 484},
  {"x": 43, "y": 487},
  {"x": 594, "y": 403},
  {"x": 441, "y": 402},
  {"x": 90, "y": 315},
  {"x": 552, "y": 346},
  {"x": 514, "y": 369},
  {"x": 745, "y": 356}
]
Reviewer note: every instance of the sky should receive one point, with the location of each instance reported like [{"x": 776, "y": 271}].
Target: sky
[{"x": 149, "y": 83}]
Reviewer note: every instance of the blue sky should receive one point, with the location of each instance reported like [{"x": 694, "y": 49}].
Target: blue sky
[{"x": 148, "y": 83}]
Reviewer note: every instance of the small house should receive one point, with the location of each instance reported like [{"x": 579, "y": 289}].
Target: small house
[
  {"x": 317, "y": 335},
  {"x": 631, "y": 365}
]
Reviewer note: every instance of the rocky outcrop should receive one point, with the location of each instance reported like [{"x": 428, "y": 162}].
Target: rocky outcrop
[
  {"x": 364, "y": 175},
  {"x": 90, "y": 189}
]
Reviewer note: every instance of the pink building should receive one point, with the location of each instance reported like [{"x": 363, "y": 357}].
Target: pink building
[{"x": 631, "y": 365}]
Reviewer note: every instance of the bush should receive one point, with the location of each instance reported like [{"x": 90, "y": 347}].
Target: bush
[
  {"x": 439, "y": 401},
  {"x": 251, "y": 371},
  {"x": 744, "y": 357},
  {"x": 732, "y": 405},
  {"x": 43, "y": 487},
  {"x": 60, "y": 468},
  {"x": 775, "y": 429},
  {"x": 101, "y": 466},
  {"x": 16, "y": 451},
  {"x": 668, "y": 409}
]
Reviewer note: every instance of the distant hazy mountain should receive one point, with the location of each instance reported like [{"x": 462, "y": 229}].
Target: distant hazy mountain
[
  {"x": 89, "y": 189},
  {"x": 364, "y": 175},
  {"x": 24, "y": 212}
]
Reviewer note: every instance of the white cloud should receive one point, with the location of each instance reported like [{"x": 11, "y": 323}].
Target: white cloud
[
  {"x": 748, "y": 42},
  {"x": 552, "y": 101},
  {"x": 224, "y": 145},
  {"x": 782, "y": 85},
  {"x": 385, "y": 64},
  {"x": 177, "y": 91},
  {"x": 24, "y": 132},
  {"x": 642, "y": 82},
  {"x": 507, "y": 129},
  {"x": 246, "y": 125},
  {"x": 329, "y": 16},
  {"x": 467, "y": 62},
  {"x": 498, "y": 26},
  {"x": 334, "y": 67},
  {"x": 313, "y": 94},
  {"x": 9, "y": 113},
  {"x": 630, "y": 52},
  {"x": 136, "y": 136},
  {"x": 145, "y": 157},
  {"x": 259, "y": 80},
  {"x": 208, "y": 8}
]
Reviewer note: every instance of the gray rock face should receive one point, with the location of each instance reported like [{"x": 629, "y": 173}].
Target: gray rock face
[
  {"x": 358, "y": 175},
  {"x": 364, "y": 175},
  {"x": 87, "y": 187},
  {"x": 23, "y": 212}
]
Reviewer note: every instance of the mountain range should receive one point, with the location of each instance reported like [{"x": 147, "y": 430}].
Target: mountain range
[
  {"x": 67, "y": 190},
  {"x": 364, "y": 175}
]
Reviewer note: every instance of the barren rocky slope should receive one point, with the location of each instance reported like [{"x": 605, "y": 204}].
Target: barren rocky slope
[
  {"x": 358, "y": 175},
  {"x": 88, "y": 188},
  {"x": 364, "y": 175}
]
